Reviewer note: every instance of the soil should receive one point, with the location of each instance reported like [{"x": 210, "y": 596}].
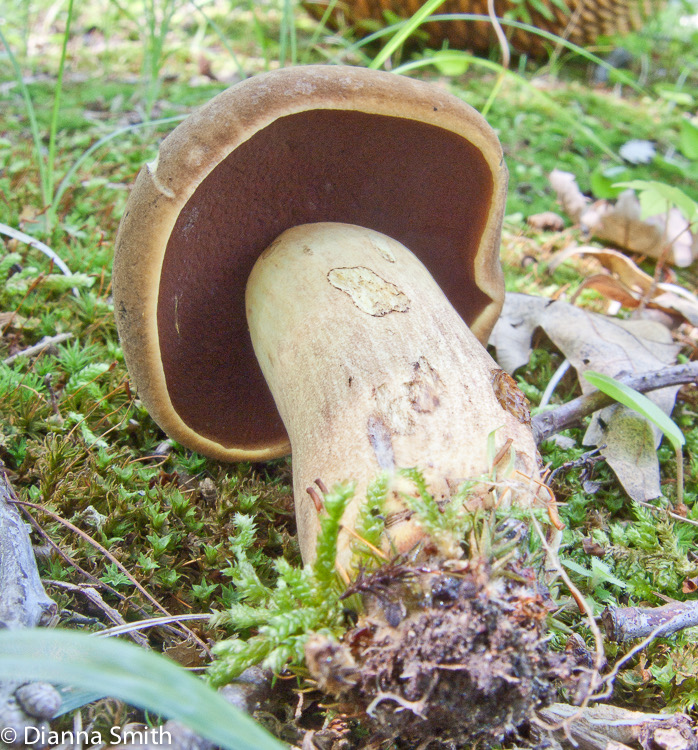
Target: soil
[{"x": 448, "y": 652}]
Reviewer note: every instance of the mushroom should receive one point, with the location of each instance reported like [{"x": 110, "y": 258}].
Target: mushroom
[
  {"x": 350, "y": 219},
  {"x": 369, "y": 362}
]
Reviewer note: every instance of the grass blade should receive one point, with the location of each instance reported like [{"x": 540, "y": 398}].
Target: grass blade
[
  {"x": 70, "y": 174},
  {"x": 138, "y": 677},
  {"x": 642, "y": 405},
  {"x": 56, "y": 108},
  {"x": 639, "y": 403},
  {"x": 405, "y": 31}
]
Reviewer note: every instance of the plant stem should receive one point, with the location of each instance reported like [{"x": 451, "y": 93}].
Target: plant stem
[
  {"x": 54, "y": 121},
  {"x": 288, "y": 35}
]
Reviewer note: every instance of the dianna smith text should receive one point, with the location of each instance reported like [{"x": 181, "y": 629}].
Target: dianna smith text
[{"x": 116, "y": 735}]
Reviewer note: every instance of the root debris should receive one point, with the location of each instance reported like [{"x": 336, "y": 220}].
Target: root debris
[{"x": 465, "y": 659}]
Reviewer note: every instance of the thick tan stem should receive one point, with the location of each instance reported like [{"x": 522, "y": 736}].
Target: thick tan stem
[{"x": 372, "y": 369}]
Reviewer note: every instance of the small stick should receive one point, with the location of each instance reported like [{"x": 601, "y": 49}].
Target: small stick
[
  {"x": 95, "y": 598},
  {"x": 32, "y": 242},
  {"x": 551, "y": 422},
  {"x": 317, "y": 500},
  {"x": 38, "y": 348},
  {"x": 625, "y": 623},
  {"x": 603, "y": 727}
]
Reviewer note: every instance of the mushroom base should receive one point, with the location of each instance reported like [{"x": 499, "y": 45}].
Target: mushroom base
[{"x": 468, "y": 660}]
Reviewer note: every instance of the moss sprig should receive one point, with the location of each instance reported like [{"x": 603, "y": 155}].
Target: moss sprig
[
  {"x": 302, "y": 601},
  {"x": 370, "y": 520},
  {"x": 273, "y": 623}
]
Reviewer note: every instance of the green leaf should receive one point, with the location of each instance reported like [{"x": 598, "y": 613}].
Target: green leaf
[
  {"x": 689, "y": 139},
  {"x": 138, "y": 677},
  {"x": 604, "y": 178},
  {"x": 657, "y": 198},
  {"x": 640, "y": 403},
  {"x": 601, "y": 573},
  {"x": 576, "y": 568}
]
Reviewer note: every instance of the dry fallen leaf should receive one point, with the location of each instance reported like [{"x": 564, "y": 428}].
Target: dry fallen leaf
[
  {"x": 674, "y": 299},
  {"x": 620, "y": 224},
  {"x": 630, "y": 285},
  {"x": 10, "y": 320},
  {"x": 591, "y": 547},
  {"x": 569, "y": 196},
  {"x": 610, "y": 288},
  {"x": 614, "y": 347},
  {"x": 616, "y": 262}
]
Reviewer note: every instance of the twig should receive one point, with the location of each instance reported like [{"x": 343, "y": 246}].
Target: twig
[
  {"x": 40, "y": 347},
  {"x": 28, "y": 240},
  {"x": 602, "y": 727},
  {"x": 551, "y": 422},
  {"x": 95, "y": 598},
  {"x": 66, "y": 558},
  {"x": 586, "y": 460},
  {"x": 668, "y": 512},
  {"x": 625, "y": 623},
  {"x": 609, "y": 679}
]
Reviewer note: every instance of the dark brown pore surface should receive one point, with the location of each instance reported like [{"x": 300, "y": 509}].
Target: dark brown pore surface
[{"x": 422, "y": 185}]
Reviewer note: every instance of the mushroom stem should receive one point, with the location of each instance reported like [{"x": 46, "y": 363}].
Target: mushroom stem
[{"x": 372, "y": 370}]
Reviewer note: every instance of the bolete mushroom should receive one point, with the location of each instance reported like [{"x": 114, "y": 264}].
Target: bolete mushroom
[
  {"x": 370, "y": 363},
  {"x": 351, "y": 219}
]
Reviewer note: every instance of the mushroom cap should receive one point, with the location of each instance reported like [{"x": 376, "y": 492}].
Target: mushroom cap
[{"x": 295, "y": 146}]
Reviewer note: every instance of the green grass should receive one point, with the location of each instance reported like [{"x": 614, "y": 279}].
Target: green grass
[{"x": 75, "y": 438}]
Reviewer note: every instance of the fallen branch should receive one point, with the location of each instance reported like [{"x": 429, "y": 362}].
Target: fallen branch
[
  {"x": 23, "y": 604},
  {"x": 567, "y": 415},
  {"x": 23, "y": 601},
  {"x": 95, "y": 599},
  {"x": 625, "y": 623},
  {"x": 600, "y": 727}
]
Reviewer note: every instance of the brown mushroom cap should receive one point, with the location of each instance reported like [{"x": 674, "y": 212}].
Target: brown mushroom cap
[{"x": 296, "y": 146}]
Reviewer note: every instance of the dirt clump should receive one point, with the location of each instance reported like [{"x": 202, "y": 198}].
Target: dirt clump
[{"x": 445, "y": 652}]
